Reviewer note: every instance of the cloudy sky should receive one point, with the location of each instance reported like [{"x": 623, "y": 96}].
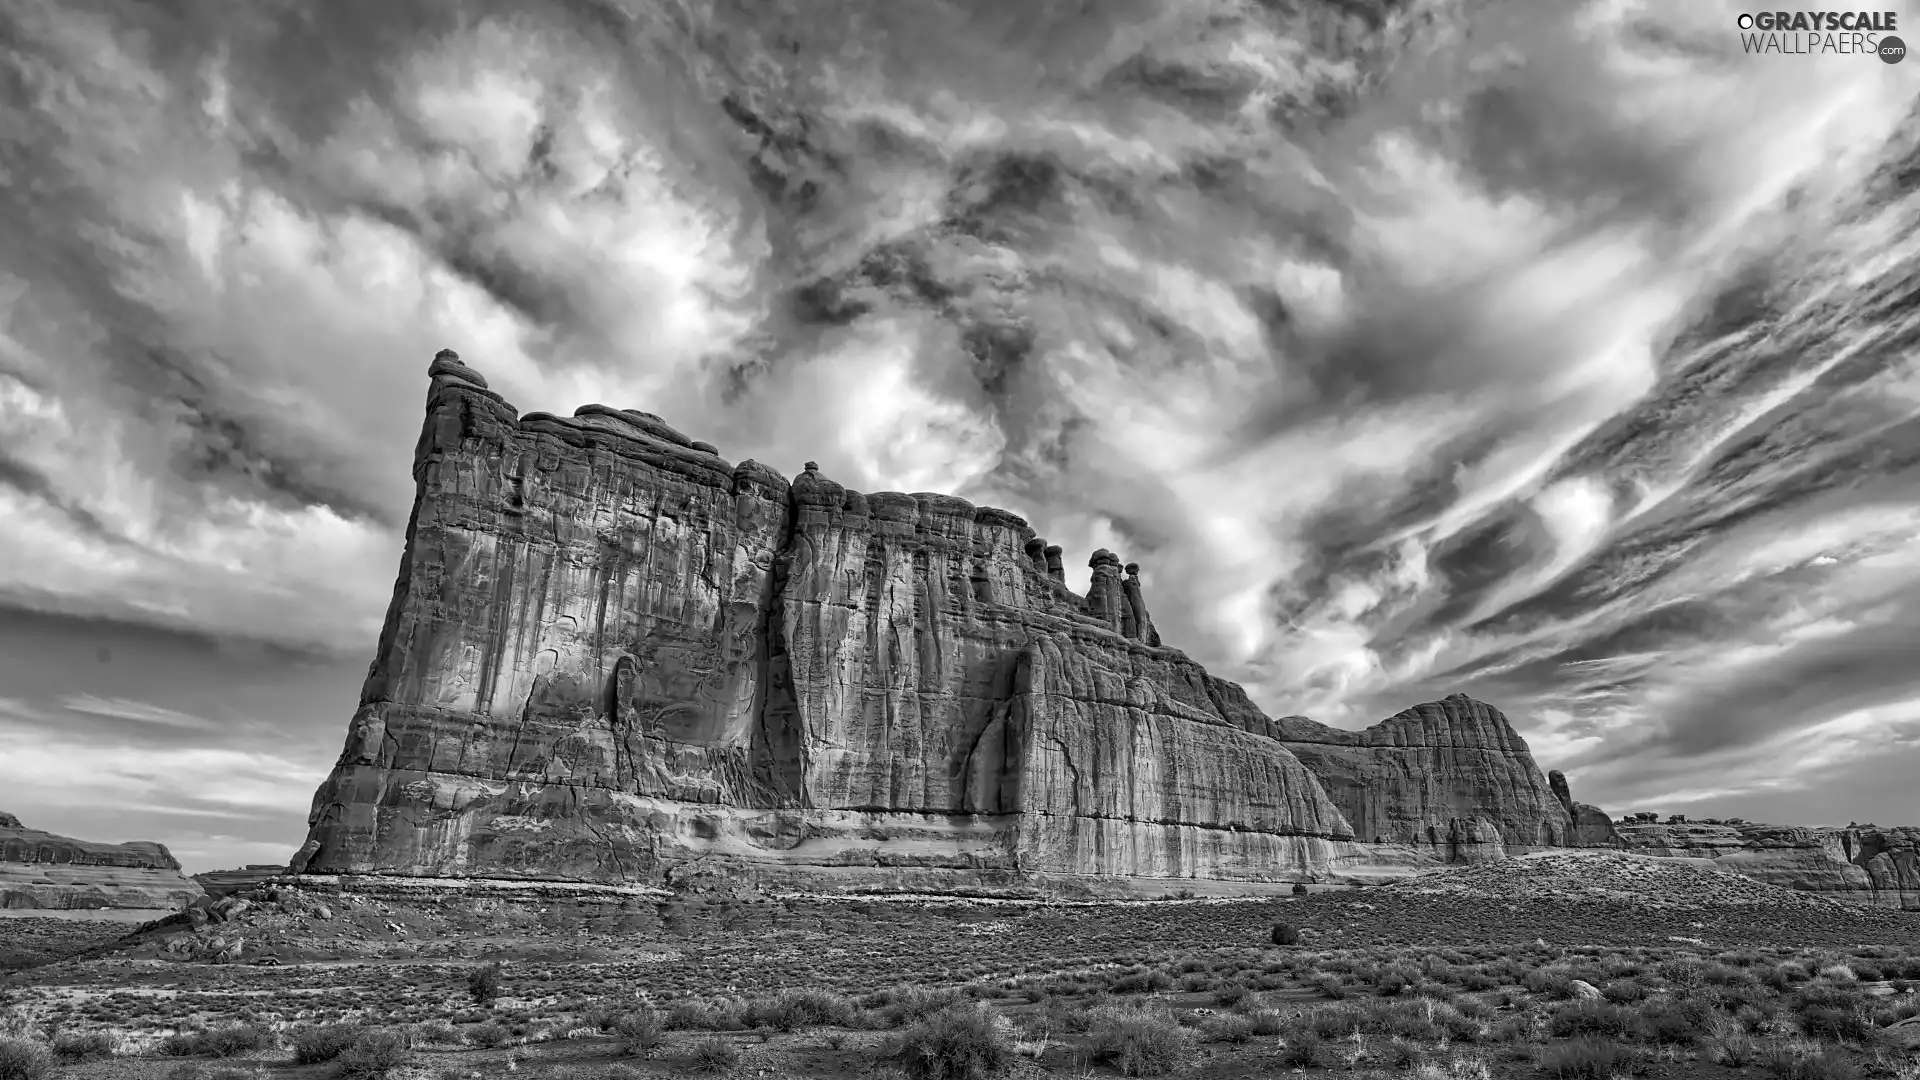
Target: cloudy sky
[{"x": 1554, "y": 352}]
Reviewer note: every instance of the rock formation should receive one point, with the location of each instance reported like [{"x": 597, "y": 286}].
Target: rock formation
[
  {"x": 1451, "y": 776},
  {"x": 42, "y": 870},
  {"x": 221, "y": 883},
  {"x": 1592, "y": 826},
  {"x": 610, "y": 653},
  {"x": 1865, "y": 863}
]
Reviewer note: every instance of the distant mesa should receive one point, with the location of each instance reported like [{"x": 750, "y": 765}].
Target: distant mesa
[
  {"x": 46, "y": 871},
  {"x": 613, "y": 656}
]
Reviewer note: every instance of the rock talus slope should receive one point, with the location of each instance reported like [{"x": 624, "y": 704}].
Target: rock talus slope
[
  {"x": 41, "y": 870},
  {"x": 611, "y": 653}
]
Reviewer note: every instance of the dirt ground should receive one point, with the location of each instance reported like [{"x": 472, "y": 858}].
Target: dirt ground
[{"x": 1494, "y": 957}]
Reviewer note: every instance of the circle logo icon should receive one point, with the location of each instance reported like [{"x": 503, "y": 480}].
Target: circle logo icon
[{"x": 1892, "y": 50}]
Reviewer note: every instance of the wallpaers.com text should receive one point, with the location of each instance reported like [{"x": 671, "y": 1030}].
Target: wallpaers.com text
[{"x": 1814, "y": 32}]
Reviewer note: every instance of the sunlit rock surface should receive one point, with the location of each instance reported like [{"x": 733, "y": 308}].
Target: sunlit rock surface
[
  {"x": 611, "y": 652},
  {"x": 41, "y": 870}
]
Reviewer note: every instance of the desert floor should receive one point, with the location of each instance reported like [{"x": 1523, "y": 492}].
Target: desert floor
[{"x": 1588, "y": 969}]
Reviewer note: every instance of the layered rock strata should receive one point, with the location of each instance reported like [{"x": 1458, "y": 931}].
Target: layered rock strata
[
  {"x": 1863, "y": 863},
  {"x": 611, "y": 653},
  {"x": 42, "y": 870}
]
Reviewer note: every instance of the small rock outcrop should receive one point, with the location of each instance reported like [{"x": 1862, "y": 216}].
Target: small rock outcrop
[
  {"x": 42, "y": 870},
  {"x": 219, "y": 883},
  {"x": 611, "y": 653},
  {"x": 1592, "y": 826}
]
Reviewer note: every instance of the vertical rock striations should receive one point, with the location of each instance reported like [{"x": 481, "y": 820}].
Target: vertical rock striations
[
  {"x": 610, "y": 652},
  {"x": 1450, "y": 775}
]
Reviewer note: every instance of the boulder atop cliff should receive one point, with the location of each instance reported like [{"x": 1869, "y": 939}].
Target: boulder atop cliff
[{"x": 44, "y": 870}]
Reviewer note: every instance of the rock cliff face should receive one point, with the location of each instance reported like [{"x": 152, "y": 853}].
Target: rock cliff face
[
  {"x": 611, "y": 653},
  {"x": 1866, "y": 863},
  {"x": 1451, "y": 776},
  {"x": 42, "y": 870}
]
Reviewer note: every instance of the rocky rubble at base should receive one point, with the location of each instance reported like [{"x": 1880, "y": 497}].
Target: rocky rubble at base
[{"x": 1576, "y": 876}]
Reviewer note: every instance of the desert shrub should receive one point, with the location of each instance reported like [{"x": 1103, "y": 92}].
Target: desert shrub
[
  {"x": 373, "y": 1055},
  {"x": 489, "y": 1034},
  {"x": 1798, "y": 1063},
  {"x": 1285, "y": 934},
  {"x": 24, "y": 1059},
  {"x": 1401, "y": 1054},
  {"x": 1623, "y": 991},
  {"x": 1783, "y": 975},
  {"x": 1590, "y": 1059},
  {"x": 1331, "y": 986},
  {"x": 711, "y": 1014},
  {"x": 904, "y": 1003},
  {"x": 1144, "y": 982},
  {"x": 75, "y": 1046},
  {"x": 178, "y": 1044},
  {"x": 1735, "y": 1050},
  {"x": 1392, "y": 982},
  {"x": 483, "y": 983},
  {"x": 232, "y": 1040},
  {"x": 437, "y": 1030},
  {"x": 640, "y": 1030},
  {"x": 1230, "y": 1029},
  {"x": 1720, "y": 974},
  {"x": 1828, "y": 995},
  {"x": 1137, "y": 1042},
  {"x": 313, "y": 1045},
  {"x": 1833, "y": 1022},
  {"x": 1684, "y": 971},
  {"x": 1675, "y": 1020},
  {"x": 791, "y": 1009},
  {"x": 1552, "y": 982},
  {"x": 1303, "y": 1050},
  {"x": 1591, "y": 1018},
  {"x": 1231, "y": 994},
  {"x": 714, "y": 1055},
  {"x": 956, "y": 1043},
  {"x": 1335, "y": 1021}
]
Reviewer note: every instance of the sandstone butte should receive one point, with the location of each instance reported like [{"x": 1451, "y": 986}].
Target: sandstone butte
[
  {"x": 612, "y": 656},
  {"x": 42, "y": 870}
]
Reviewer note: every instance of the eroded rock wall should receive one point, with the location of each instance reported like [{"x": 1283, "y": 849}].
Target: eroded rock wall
[
  {"x": 611, "y": 652},
  {"x": 1452, "y": 776}
]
